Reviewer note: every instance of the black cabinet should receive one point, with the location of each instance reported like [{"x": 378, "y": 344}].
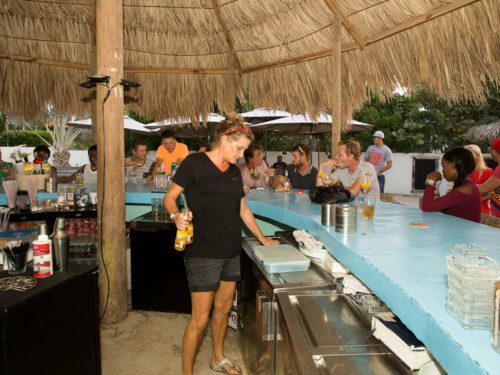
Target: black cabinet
[
  {"x": 52, "y": 328},
  {"x": 159, "y": 280}
]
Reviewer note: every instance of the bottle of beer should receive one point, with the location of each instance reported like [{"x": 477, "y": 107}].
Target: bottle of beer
[
  {"x": 190, "y": 235},
  {"x": 181, "y": 236},
  {"x": 287, "y": 185},
  {"x": 173, "y": 167}
]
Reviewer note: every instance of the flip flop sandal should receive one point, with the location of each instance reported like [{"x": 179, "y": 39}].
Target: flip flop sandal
[{"x": 219, "y": 367}]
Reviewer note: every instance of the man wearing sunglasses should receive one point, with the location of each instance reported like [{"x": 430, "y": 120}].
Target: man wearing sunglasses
[{"x": 301, "y": 173}]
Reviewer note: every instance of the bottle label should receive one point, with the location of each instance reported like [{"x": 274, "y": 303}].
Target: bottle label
[{"x": 42, "y": 260}]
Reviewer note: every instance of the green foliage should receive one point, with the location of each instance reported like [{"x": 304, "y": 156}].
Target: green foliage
[
  {"x": 30, "y": 139},
  {"x": 21, "y": 137},
  {"x": 422, "y": 122}
]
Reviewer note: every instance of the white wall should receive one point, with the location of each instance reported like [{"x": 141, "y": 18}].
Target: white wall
[{"x": 77, "y": 158}]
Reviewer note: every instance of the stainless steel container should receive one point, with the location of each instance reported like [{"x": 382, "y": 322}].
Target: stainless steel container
[
  {"x": 346, "y": 218},
  {"x": 60, "y": 241},
  {"x": 50, "y": 185},
  {"x": 328, "y": 214}
]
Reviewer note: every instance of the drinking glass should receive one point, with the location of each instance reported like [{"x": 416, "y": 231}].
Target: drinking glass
[
  {"x": 156, "y": 207},
  {"x": 79, "y": 178},
  {"x": 255, "y": 176},
  {"x": 368, "y": 208},
  {"x": 366, "y": 184}
]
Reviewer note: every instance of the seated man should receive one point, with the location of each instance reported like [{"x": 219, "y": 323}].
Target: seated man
[
  {"x": 139, "y": 167},
  {"x": 280, "y": 165},
  {"x": 169, "y": 152},
  {"x": 89, "y": 170},
  {"x": 301, "y": 173},
  {"x": 7, "y": 171},
  {"x": 348, "y": 170},
  {"x": 42, "y": 153}
]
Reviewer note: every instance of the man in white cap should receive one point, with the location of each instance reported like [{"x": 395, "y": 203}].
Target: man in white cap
[{"x": 380, "y": 156}]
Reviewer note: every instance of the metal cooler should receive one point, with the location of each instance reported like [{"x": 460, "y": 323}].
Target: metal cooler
[{"x": 296, "y": 323}]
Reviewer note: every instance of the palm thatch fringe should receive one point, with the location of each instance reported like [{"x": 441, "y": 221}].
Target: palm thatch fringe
[
  {"x": 178, "y": 51},
  {"x": 483, "y": 133}
]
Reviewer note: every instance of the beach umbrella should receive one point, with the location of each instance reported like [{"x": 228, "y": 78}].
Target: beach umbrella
[
  {"x": 183, "y": 127},
  {"x": 304, "y": 124},
  {"x": 260, "y": 115},
  {"x": 483, "y": 133},
  {"x": 128, "y": 123}
]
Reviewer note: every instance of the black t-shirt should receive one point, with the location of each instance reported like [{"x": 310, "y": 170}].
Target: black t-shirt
[
  {"x": 214, "y": 197},
  {"x": 302, "y": 182}
]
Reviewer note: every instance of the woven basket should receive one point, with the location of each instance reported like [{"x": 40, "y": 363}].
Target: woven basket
[{"x": 490, "y": 220}]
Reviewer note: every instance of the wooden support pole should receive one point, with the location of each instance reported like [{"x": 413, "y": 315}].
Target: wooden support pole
[
  {"x": 110, "y": 147},
  {"x": 336, "y": 85}
]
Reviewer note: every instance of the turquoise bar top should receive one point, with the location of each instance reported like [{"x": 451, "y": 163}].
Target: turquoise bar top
[{"x": 404, "y": 266}]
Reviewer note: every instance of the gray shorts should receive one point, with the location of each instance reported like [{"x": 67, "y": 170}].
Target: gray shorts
[{"x": 205, "y": 274}]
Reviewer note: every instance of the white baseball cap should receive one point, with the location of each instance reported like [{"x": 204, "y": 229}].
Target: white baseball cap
[{"x": 379, "y": 134}]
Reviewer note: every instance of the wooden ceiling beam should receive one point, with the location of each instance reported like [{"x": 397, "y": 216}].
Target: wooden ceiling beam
[
  {"x": 349, "y": 26},
  {"x": 229, "y": 39}
]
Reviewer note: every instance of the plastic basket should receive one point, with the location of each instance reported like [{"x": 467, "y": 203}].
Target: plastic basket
[{"x": 466, "y": 249}]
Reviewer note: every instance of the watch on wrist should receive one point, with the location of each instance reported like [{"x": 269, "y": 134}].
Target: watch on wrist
[
  {"x": 429, "y": 181},
  {"x": 173, "y": 215}
]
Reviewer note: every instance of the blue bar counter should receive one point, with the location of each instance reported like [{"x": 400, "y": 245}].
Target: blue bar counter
[{"x": 404, "y": 266}]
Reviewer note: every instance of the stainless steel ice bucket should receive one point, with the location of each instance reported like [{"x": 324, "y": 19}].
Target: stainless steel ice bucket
[
  {"x": 328, "y": 214},
  {"x": 346, "y": 218}
]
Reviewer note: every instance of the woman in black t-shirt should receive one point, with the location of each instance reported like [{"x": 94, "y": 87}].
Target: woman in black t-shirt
[{"x": 214, "y": 191}]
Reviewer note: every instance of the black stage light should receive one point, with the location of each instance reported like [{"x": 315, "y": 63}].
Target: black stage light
[
  {"x": 128, "y": 84},
  {"x": 98, "y": 79},
  {"x": 88, "y": 84}
]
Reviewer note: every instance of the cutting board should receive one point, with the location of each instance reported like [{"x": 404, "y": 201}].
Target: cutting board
[{"x": 281, "y": 258}]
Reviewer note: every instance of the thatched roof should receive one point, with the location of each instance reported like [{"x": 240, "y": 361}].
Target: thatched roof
[
  {"x": 189, "y": 53},
  {"x": 483, "y": 133}
]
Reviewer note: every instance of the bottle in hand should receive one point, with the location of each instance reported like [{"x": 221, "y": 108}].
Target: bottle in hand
[{"x": 182, "y": 237}]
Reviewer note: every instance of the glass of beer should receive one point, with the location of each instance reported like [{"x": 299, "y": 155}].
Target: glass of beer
[
  {"x": 79, "y": 179},
  {"x": 368, "y": 208}
]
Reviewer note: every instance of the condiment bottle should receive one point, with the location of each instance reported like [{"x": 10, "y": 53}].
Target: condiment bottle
[
  {"x": 42, "y": 254},
  {"x": 181, "y": 236}
]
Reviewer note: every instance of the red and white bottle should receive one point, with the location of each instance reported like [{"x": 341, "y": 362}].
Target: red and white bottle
[{"x": 42, "y": 254}]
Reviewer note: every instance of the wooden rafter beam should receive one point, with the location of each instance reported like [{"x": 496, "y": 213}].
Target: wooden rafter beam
[
  {"x": 349, "y": 26},
  {"x": 416, "y": 21},
  {"x": 435, "y": 13},
  {"x": 229, "y": 39}
]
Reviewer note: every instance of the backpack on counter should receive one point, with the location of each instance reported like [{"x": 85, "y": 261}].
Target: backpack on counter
[{"x": 330, "y": 194}]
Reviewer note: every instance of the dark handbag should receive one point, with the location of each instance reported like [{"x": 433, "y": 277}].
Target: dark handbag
[{"x": 330, "y": 194}]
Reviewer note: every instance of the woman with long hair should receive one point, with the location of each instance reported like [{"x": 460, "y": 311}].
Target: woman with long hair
[
  {"x": 464, "y": 200},
  {"x": 214, "y": 192},
  {"x": 480, "y": 175}
]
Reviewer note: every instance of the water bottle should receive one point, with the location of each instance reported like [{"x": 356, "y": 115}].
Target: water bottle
[{"x": 61, "y": 245}]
